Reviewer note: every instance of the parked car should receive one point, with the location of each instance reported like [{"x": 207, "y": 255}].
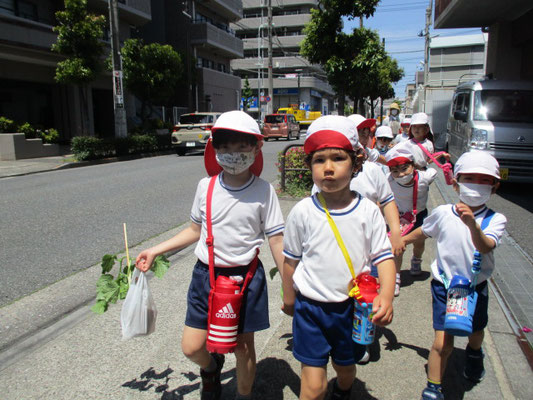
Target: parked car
[
  {"x": 281, "y": 126},
  {"x": 193, "y": 131},
  {"x": 494, "y": 116}
]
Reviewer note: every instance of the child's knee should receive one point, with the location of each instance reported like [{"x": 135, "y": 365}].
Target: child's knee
[
  {"x": 245, "y": 345},
  {"x": 443, "y": 347},
  {"x": 315, "y": 388}
]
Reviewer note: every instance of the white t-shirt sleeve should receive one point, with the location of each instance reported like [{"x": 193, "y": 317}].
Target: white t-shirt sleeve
[
  {"x": 429, "y": 175},
  {"x": 293, "y": 235},
  {"x": 372, "y": 154},
  {"x": 272, "y": 218},
  {"x": 380, "y": 244},
  {"x": 496, "y": 228},
  {"x": 430, "y": 227},
  {"x": 383, "y": 187},
  {"x": 201, "y": 192}
]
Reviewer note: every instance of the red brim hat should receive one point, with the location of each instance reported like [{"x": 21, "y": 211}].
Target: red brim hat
[
  {"x": 213, "y": 168},
  {"x": 367, "y": 123},
  {"x": 398, "y": 161},
  {"x": 326, "y": 139}
]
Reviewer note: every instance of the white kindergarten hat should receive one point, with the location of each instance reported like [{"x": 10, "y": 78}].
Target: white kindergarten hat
[
  {"x": 419, "y": 119},
  {"x": 384, "y": 132},
  {"x": 331, "y": 131},
  {"x": 237, "y": 121},
  {"x": 362, "y": 122},
  {"x": 398, "y": 155},
  {"x": 477, "y": 162}
]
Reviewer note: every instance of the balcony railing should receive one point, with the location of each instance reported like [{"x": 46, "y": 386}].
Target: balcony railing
[{"x": 224, "y": 42}]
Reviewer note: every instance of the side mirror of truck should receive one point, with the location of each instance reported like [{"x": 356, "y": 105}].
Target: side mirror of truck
[{"x": 460, "y": 115}]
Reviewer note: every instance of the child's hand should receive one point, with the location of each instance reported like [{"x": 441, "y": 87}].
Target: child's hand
[
  {"x": 382, "y": 309},
  {"x": 466, "y": 214},
  {"x": 144, "y": 260},
  {"x": 288, "y": 309},
  {"x": 398, "y": 244}
]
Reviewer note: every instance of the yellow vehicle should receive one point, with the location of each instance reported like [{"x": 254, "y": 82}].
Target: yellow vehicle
[{"x": 304, "y": 118}]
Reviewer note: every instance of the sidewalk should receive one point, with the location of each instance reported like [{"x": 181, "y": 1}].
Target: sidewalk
[{"x": 83, "y": 355}]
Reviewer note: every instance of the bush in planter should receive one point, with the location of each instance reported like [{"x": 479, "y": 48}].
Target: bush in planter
[
  {"x": 143, "y": 143},
  {"x": 49, "y": 135},
  {"x": 29, "y": 131},
  {"x": 297, "y": 183},
  {"x": 7, "y": 125}
]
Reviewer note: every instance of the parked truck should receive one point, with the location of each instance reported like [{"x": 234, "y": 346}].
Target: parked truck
[{"x": 304, "y": 118}]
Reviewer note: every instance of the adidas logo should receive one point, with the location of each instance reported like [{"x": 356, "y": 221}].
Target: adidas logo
[{"x": 226, "y": 312}]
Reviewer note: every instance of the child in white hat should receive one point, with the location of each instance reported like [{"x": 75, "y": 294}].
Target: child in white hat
[
  {"x": 460, "y": 230},
  {"x": 419, "y": 135},
  {"x": 316, "y": 276},
  {"x": 411, "y": 190},
  {"x": 365, "y": 127},
  {"x": 244, "y": 210},
  {"x": 384, "y": 139}
]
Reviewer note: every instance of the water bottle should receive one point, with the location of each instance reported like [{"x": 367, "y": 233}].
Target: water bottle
[
  {"x": 363, "y": 329},
  {"x": 460, "y": 306},
  {"x": 223, "y": 319}
]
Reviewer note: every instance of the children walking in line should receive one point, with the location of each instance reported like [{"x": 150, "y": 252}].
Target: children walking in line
[
  {"x": 243, "y": 210},
  {"x": 411, "y": 189},
  {"x": 419, "y": 135},
  {"x": 364, "y": 131},
  {"x": 464, "y": 232},
  {"x": 316, "y": 277}
]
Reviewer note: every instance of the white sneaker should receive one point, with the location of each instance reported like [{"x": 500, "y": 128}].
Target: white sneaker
[{"x": 416, "y": 266}]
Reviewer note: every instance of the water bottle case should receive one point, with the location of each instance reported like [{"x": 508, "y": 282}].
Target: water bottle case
[{"x": 461, "y": 302}]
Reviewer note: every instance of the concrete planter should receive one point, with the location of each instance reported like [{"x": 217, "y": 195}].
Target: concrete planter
[{"x": 14, "y": 146}]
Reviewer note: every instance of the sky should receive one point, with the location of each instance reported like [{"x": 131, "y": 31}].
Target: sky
[{"x": 399, "y": 22}]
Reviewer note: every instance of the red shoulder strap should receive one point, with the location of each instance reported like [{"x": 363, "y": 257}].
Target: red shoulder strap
[
  {"x": 433, "y": 156},
  {"x": 211, "y": 243}
]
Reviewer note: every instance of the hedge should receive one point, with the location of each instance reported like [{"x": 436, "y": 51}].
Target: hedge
[{"x": 91, "y": 148}]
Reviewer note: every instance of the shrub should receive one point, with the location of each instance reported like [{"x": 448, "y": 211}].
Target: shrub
[
  {"x": 297, "y": 183},
  {"x": 49, "y": 135},
  {"x": 29, "y": 131},
  {"x": 143, "y": 143},
  {"x": 7, "y": 125},
  {"x": 90, "y": 148}
]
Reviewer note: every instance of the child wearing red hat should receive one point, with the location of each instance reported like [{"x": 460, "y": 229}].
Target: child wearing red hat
[
  {"x": 316, "y": 275},
  {"x": 244, "y": 210}
]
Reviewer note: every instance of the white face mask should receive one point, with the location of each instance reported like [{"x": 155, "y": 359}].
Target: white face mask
[
  {"x": 382, "y": 149},
  {"x": 474, "y": 194},
  {"x": 235, "y": 163},
  {"x": 404, "y": 180}
]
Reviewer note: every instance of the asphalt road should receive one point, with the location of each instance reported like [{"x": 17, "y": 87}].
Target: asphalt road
[{"x": 57, "y": 223}]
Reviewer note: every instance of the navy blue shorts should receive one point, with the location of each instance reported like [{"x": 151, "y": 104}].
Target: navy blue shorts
[
  {"x": 321, "y": 330},
  {"x": 420, "y": 217},
  {"x": 481, "y": 318},
  {"x": 254, "y": 309}
]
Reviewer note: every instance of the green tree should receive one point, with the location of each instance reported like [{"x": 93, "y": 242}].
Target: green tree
[
  {"x": 344, "y": 57},
  {"x": 247, "y": 94},
  {"x": 79, "y": 37},
  {"x": 152, "y": 72}
]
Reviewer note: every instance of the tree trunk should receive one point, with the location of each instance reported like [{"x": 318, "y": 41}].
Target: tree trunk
[
  {"x": 361, "y": 107},
  {"x": 371, "y": 108},
  {"x": 84, "y": 110},
  {"x": 341, "y": 102}
]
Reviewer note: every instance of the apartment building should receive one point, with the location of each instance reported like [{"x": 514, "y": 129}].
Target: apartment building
[
  {"x": 28, "y": 91},
  {"x": 201, "y": 31},
  {"x": 296, "y": 81}
]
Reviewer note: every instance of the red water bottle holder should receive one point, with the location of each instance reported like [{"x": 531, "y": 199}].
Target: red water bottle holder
[{"x": 225, "y": 297}]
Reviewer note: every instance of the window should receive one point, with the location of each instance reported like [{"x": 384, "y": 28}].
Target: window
[
  {"x": 504, "y": 105},
  {"x": 7, "y": 7},
  {"x": 196, "y": 119}
]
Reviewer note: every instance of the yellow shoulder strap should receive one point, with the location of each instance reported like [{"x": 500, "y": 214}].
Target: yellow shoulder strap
[{"x": 354, "y": 292}]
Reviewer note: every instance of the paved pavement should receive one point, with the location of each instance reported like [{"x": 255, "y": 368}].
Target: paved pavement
[{"x": 83, "y": 356}]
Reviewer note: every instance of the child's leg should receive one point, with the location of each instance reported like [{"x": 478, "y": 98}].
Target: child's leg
[
  {"x": 475, "y": 340},
  {"x": 314, "y": 382},
  {"x": 193, "y": 346},
  {"x": 246, "y": 363},
  {"x": 438, "y": 356},
  {"x": 345, "y": 375},
  {"x": 418, "y": 248}
]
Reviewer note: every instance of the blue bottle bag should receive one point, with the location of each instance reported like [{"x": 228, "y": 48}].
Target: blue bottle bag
[{"x": 460, "y": 307}]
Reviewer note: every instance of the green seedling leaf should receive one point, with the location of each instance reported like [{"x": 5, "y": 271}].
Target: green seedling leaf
[
  {"x": 122, "y": 280},
  {"x": 160, "y": 266},
  {"x": 107, "y": 289},
  {"x": 273, "y": 272},
  {"x": 107, "y": 263},
  {"x": 100, "y": 307}
]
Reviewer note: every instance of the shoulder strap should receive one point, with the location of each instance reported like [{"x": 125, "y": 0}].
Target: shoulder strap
[
  {"x": 211, "y": 243},
  {"x": 415, "y": 192},
  {"x": 432, "y": 156},
  {"x": 354, "y": 292},
  {"x": 210, "y": 240}
]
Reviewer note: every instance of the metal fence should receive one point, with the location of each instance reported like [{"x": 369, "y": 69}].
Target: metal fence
[{"x": 284, "y": 169}]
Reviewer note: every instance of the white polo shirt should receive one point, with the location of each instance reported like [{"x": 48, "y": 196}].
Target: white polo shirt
[
  {"x": 419, "y": 157},
  {"x": 323, "y": 273},
  {"x": 241, "y": 218},
  {"x": 371, "y": 183},
  {"x": 455, "y": 249},
  {"x": 403, "y": 194}
]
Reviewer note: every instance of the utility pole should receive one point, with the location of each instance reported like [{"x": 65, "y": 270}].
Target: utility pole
[
  {"x": 429, "y": 11},
  {"x": 121, "y": 129},
  {"x": 270, "y": 76}
]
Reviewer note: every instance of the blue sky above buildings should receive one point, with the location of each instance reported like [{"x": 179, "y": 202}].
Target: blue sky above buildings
[{"x": 399, "y": 22}]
